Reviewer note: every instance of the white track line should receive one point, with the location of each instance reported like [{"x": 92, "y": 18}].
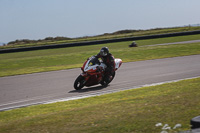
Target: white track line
[{"x": 115, "y": 90}]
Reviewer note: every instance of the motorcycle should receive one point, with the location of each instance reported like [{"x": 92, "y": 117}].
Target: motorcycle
[{"x": 93, "y": 72}]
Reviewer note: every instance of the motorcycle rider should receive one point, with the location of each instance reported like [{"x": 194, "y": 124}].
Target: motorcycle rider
[{"x": 108, "y": 59}]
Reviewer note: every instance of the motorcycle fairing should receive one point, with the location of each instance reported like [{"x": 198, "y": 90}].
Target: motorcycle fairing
[{"x": 118, "y": 63}]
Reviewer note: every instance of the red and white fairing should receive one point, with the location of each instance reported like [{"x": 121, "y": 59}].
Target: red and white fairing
[
  {"x": 87, "y": 67},
  {"x": 118, "y": 63}
]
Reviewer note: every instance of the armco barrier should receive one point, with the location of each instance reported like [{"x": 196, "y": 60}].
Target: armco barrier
[{"x": 98, "y": 42}]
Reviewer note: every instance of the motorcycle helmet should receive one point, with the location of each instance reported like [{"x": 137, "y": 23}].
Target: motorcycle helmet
[{"x": 104, "y": 51}]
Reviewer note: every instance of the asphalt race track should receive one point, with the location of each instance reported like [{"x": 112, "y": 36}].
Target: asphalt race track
[{"x": 37, "y": 88}]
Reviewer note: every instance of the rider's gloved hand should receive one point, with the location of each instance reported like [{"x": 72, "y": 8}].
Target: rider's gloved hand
[{"x": 98, "y": 69}]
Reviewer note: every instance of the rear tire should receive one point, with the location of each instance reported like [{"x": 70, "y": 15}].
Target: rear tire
[
  {"x": 113, "y": 75},
  {"x": 79, "y": 83},
  {"x": 105, "y": 83}
]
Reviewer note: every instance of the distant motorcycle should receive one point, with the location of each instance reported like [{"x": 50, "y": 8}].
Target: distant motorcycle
[{"x": 93, "y": 71}]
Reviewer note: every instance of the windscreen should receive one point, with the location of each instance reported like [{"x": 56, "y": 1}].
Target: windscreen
[{"x": 94, "y": 60}]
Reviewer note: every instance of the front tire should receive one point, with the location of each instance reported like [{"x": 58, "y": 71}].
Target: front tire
[{"x": 79, "y": 83}]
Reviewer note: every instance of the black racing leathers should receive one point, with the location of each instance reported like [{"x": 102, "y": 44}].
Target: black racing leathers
[{"x": 110, "y": 63}]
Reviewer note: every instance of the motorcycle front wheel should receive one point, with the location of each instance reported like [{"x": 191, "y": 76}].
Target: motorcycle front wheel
[{"x": 79, "y": 82}]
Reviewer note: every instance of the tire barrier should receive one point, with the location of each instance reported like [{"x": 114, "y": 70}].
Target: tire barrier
[
  {"x": 98, "y": 42},
  {"x": 195, "y": 122},
  {"x": 195, "y": 125}
]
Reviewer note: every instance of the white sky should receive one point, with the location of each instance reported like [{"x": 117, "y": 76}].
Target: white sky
[{"x": 38, "y": 19}]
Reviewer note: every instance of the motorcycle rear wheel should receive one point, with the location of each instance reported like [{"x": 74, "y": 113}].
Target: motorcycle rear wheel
[
  {"x": 79, "y": 82},
  {"x": 104, "y": 83},
  {"x": 113, "y": 75}
]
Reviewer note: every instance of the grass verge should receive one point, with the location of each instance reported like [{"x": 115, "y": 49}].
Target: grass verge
[
  {"x": 135, "y": 110},
  {"x": 65, "y": 58}
]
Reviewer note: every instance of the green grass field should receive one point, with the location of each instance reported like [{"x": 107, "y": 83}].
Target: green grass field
[
  {"x": 73, "y": 57},
  {"x": 132, "y": 111}
]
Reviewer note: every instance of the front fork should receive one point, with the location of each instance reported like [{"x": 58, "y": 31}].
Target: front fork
[{"x": 86, "y": 77}]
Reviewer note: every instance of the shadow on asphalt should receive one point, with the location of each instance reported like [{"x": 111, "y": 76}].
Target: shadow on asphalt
[{"x": 96, "y": 88}]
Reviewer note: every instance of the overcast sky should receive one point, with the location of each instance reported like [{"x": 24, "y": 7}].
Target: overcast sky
[{"x": 38, "y": 19}]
